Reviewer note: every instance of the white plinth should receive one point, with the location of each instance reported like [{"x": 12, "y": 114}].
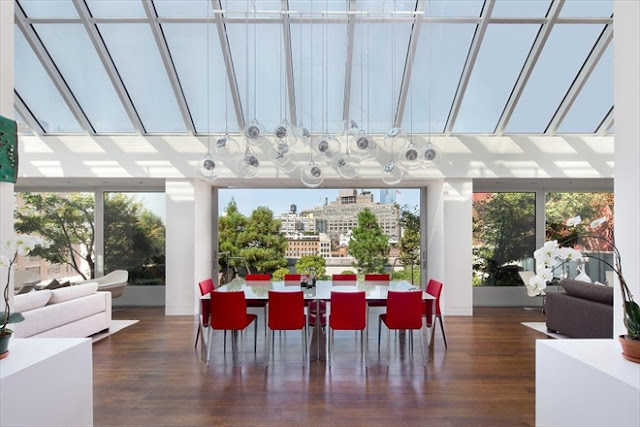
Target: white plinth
[
  {"x": 585, "y": 383},
  {"x": 47, "y": 381}
]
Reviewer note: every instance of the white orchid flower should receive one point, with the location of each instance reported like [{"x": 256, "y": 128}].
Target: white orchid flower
[
  {"x": 4, "y": 261},
  {"x": 598, "y": 222},
  {"x": 569, "y": 254},
  {"x": 538, "y": 282},
  {"x": 572, "y": 222}
]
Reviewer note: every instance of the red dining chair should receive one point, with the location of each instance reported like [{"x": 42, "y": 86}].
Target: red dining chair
[
  {"x": 253, "y": 279},
  {"x": 292, "y": 279},
  {"x": 229, "y": 313},
  {"x": 286, "y": 313},
  {"x": 344, "y": 279},
  {"x": 379, "y": 279},
  {"x": 434, "y": 288},
  {"x": 206, "y": 286},
  {"x": 404, "y": 312},
  {"x": 348, "y": 313}
]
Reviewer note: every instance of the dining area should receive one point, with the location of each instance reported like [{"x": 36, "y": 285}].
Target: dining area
[{"x": 296, "y": 320}]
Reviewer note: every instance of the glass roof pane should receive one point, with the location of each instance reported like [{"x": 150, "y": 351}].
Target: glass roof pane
[
  {"x": 520, "y": 8},
  {"x": 439, "y": 68},
  {"x": 38, "y": 91},
  {"x": 331, "y": 5},
  {"x": 587, "y": 9},
  {"x": 135, "y": 54},
  {"x": 504, "y": 49},
  {"x": 560, "y": 61},
  {"x": 384, "y": 74},
  {"x": 188, "y": 47},
  {"x": 463, "y": 8},
  {"x": 49, "y": 8},
  {"x": 308, "y": 92},
  {"x": 264, "y": 8},
  {"x": 76, "y": 58},
  {"x": 385, "y": 6},
  {"x": 23, "y": 127},
  {"x": 117, "y": 8},
  {"x": 612, "y": 130},
  {"x": 270, "y": 71},
  {"x": 594, "y": 100},
  {"x": 183, "y": 8}
]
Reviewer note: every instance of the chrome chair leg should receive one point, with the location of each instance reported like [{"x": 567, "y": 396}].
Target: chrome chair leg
[
  {"x": 442, "y": 329},
  {"x": 255, "y": 336},
  {"x": 268, "y": 346},
  {"x": 424, "y": 362},
  {"x": 388, "y": 345}
]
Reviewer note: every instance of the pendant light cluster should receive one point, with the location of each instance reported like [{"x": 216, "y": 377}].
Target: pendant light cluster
[{"x": 324, "y": 149}]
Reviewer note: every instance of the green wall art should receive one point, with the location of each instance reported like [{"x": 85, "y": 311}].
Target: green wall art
[{"x": 8, "y": 150}]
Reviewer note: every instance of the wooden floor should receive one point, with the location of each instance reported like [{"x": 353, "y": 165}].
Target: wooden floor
[{"x": 150, "y": 374}]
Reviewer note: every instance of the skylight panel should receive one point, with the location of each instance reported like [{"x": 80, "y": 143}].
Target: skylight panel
[
  {"x": 137, "y": 59},
  {"x": 440, "y": 57},
  {"x": 594, "y": 100},
  {"x": 188, "y": 46},
  {"x": 38, "y": 91},
  {"x": 48, "y": 8},
  {"x": 184, "y": 8},
  {"x": 117, "y": 8},
  {"x": 504, "y": 50},
  {"x": 76, "y": 58},
  {"x": 458, "y": 8},
  {"x": 560, "y": 61},
  {"x": 587, "y": 9},
  {"x": 520, "y": 8}
]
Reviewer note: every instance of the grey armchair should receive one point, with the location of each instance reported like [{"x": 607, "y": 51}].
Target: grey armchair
[{"x": 114, "y": 282}]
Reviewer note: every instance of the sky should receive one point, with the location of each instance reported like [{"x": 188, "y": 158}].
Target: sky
[{"x": 279, "y": 200}]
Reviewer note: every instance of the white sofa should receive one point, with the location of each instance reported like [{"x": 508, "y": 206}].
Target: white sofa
[{"x": 70, "y": 312}]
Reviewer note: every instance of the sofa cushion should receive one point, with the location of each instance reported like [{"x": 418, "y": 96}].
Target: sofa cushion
[
  {"x": 73, "y": 292},
  {"x": 30, "y": 301},
  {"x": 588, "y": 291},
  {"x": 54, "y": 284}
]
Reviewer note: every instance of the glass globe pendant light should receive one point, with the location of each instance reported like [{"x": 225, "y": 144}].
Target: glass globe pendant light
[
  {"x": 430, "y": 155},
  {"x": 206, "y": 167},
  {"x": 227, "y": 147},
  {"x": 409, "y": 157},
  {"x": 392, "y": 174},
  {"x": 282, "y": 155},
  {"x": 347, "y": 165},
  {"x": 247, "y": 165}
]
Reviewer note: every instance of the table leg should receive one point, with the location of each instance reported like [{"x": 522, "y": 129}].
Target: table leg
[{"x": 317, "y": 346}]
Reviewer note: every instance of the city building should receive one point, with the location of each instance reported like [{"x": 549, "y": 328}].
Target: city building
[
  {"x": 299, "y": 245},
  {"x": 388, "y": 195},
  {"x": 306, "y": 222}
]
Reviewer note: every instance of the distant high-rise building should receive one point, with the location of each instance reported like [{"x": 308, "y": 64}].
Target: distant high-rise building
[{"x": 388, "y": 196}]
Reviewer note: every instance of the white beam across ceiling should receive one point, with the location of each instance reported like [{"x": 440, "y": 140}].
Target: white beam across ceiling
[
  {"x": 53, "y": 72},
  {"x": 408, "y": 65},
  {"x": 26, "y": 115},
  {"x": 228, "y": 61},
  {"x": 582, "y": 77},
  {"x": 109, "y": 66},
  {"x": 288, "y": 57},
  {"x": 606, "y": 124},
  {"x": 532, "y": 59},
  {"x": 348, "y": 67},
  {"x": 469, "y": 64},
  {"x": 169, "y": 67}
]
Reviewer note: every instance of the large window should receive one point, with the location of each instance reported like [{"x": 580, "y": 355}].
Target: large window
[
  {"x": 134, "y": 236},
  {"x": 504, "y": 229}
]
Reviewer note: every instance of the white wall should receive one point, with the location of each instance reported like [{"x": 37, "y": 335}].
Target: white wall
[
  {"x": 626, "y": 59},
  {"x": 6, "y": 110}
]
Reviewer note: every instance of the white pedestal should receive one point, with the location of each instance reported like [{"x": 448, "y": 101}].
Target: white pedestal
[
  {"x": 585, "y": 383},
  {"x": 47, "y": 381}
]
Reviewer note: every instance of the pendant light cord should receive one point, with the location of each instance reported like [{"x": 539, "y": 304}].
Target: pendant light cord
[
  {"x": 255, "y": 61},
  {"x": 226, "y": 91},
  {"x": 208, "y": 90},
  {"x": 246, "y": 140},
  {"x": 311, "y": 85}
]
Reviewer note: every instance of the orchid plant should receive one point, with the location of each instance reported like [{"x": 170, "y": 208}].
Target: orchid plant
[
  {"x": 18, "y": 245},
  {"x": 551, "y": 252}
]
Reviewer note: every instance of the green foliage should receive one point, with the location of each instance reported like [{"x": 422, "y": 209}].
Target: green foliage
[
  {"x": 503, "y": 233},
  {"x": 348, "y": 272},
  {"x": 279, "y": 274},
  {"x": 632, "y": 319},
  {"x": 405, "y": 274},
  {"x": 305, "y": 263},
  {"x": 13, "y": 318},
  {"x": 369, "y": 245},
  {"x": 229, "y": 228},
  {"x": 410, "y": 240}
]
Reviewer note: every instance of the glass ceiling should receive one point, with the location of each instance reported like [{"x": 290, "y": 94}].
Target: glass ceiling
[{"x": 439, "y": 67}]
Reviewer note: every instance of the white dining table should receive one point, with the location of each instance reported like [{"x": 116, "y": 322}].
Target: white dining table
[{"x": 374, "y": 291}]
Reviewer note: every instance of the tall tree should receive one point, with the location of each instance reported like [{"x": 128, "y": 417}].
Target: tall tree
[
  {"x": 410, "y": 240},
  {"x": 230, "y": 225},
  {"x": 369, "y": 245},
  {"x": 261, "y": 243}
]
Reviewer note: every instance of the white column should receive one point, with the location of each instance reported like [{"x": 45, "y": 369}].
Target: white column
[
  {"x": 188, "y": 243},
  {"x": 432, "y": 229},
  {"x": 6, "y": 110},
  {"x": 626, "y": 62}
]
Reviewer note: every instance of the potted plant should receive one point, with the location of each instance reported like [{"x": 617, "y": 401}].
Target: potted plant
[
  {"x": 19, "y": 245},
  {"x": 547, "y": 255}
]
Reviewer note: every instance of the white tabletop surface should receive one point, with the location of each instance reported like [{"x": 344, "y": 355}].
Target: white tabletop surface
[{"x": 25, "y": 352}]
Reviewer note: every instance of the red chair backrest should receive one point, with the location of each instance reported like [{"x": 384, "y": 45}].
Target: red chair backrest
[
  {"x": 404, "y": 310},
  {"x": 228, "y": 310},
  {"x": 434, "y": 288},
  {"x": 376, "y": 277},
  {"x": 260, "y": 277},
  {"x": 292, "y": 279},
  {"x": 348, "y": 310},
  {"x": 206, "y": 287},
  {"x": 344, "y": 278},
  {"x": 286, "y": 310}
]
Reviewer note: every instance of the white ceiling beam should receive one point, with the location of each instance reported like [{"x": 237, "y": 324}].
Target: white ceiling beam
[
  {"x": 288, "y": 57},
  {"x": 578, "y": 83},
  {"x": 348, "y": 67},
  {"x": 169, "y": 67},
  {"x": 469, "y": 64},
  {"x": 605, "y": 124},
  {"x": 109, "y": 66},
  {"x": 26, "y": 115},
  {"x": 53, "y": 72},
  {"x": 408, "y": 64},
  {"x": 532, "y": 59},
  {"x": 228, "y": 61}
]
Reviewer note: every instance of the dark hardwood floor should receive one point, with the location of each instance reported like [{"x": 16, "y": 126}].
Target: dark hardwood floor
[{"x": 150, "y": 374}]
